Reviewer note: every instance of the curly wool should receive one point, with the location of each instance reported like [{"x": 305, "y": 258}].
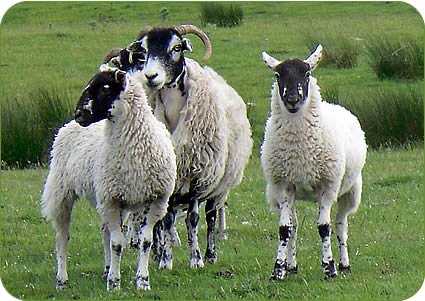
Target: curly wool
[
  {"x": 130, "y": 158},
  {"x": 324, "y": 143},
  {"x": 212, "y": 139}
]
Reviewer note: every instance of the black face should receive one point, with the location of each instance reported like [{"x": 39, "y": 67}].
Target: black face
[
  {"x": 129, "y": 59},
  {"x": 97, "y": 98},
  {"x": 164, "y": 56},
  {"x": 293, "y": 79}
]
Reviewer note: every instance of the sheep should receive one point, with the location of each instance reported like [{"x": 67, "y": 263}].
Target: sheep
[
  {"x": 121, "y": 158},
  {"x": 208, "y": 123},
  {"x": 312, "y": 149}
]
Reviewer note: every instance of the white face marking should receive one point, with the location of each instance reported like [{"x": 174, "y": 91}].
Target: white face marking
[
  {"x": 154, "y": 73},
  {"x": 300, "y": 89},
  {"x": 88, "y": 106},
  {"x": 284, "y": 91},
  {"x": 106, "y": 86}
]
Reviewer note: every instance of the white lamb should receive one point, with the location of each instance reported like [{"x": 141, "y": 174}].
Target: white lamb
[
  {"x": 117, "y": 154},
  {"x": 312, "y": 149}
]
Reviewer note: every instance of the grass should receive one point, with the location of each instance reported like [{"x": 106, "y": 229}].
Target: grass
[
  {"x": 57, "y": 46},
  {"x": 386, "y": 243},
  {"x": 339, "y": 51},
  {"x": 221, "y": 15},
  {"x": 392, "y": 58},
  {"x": 391, "y": 116},
  {"x": 28, "y": 126}
]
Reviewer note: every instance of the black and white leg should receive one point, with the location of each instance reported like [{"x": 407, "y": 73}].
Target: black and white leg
[
  {"x": 292, "y": 250},
  {"x": 192, "y": 219},
  {"x": 211, "y": 214},
  {"x": 106, "y": 237},
  {"x": 112, "y": 216},
  {"x": 168, "y": 224},
  {"x": 284, "y": 196},
  {"x": 324, "y": 227}
]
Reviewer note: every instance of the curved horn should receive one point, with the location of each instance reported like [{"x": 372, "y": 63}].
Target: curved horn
[
  {"x": 143, "y": 32},
  {"x": 185, "y": 29}
]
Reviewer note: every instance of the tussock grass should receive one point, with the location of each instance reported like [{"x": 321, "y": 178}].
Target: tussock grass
[
  {"x": 29, "y": 124},
  {"x": 339, "y": 50},
  {"x": 389, "y": 116},
  {"x": 221, "y": 15},
  {"x": 395, "y": 58}
]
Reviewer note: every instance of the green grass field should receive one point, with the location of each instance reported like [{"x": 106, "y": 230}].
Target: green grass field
[
  {"x": 59, "y": 45},
  {"x": 386, "y": 244}
]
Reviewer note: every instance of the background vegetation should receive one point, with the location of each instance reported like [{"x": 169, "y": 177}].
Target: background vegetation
[{"x": 49, "y": 50}]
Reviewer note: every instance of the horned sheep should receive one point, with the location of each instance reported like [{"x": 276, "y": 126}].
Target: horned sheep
[
  {"x": 117, "y": 154},
  {"x": 312, "y": 149},
  {"x": 209, "y": 128}
]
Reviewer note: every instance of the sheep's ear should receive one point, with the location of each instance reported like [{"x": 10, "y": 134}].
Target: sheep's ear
[
  {"x": 314, "y": 58},
  {"x": 269, "y": 61},
  {"x": 187, "y": 45},
  {"x": 120, "y": 76}
]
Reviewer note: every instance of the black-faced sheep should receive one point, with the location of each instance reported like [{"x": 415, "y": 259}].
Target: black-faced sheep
[
  {"x": 209, "y": 127},
  {"x": 117, "y": 154},
  {"x": 311, "y": 149}
]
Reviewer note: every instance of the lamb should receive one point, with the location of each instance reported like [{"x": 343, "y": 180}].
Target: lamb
[
  {"x": 208, "y": 123},
  {"x": 121, "y": 158},
  {"x": 312, "y": 149}
]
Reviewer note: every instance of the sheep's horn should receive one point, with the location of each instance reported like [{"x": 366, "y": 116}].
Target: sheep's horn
[
  {"x": 143, "y": 32},
  {"x": 185, "y": 29}
]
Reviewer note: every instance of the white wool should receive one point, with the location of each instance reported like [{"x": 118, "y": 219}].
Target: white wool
[
  {"x": 130, "y": 157},
  {"x": 321, "y": 143},
  {"x": 211, "y": 134}
]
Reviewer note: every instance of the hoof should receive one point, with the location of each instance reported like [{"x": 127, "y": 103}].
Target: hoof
[
  {"x": 210, "y": 257},
  {"x": 278, "y": 274},
  {"x": 329, "y": 269},
  {"x": 196, "y": 264},
  {"x": 142, "y": 283},
  {"x": 344, "y": 268},
  {"x": 113, "y": 284},
  {"x": 61, "y": 284},
  {"x": 293, "y": 270}
]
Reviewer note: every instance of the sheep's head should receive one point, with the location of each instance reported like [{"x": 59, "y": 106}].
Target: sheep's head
[
  {"x": 97, "y": 98},
  {"x": 125, "y": 59},
  {"x": 163, "y": 49},
  {"x": 293, "y": 78}
]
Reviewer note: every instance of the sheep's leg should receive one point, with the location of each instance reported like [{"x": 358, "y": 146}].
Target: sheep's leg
[
  {"x": 222, "y": 228},
  {"x": 112, "y": 215},
  {"x": 211, "y": 214},
  {"x": 107, "y": 250},
  {"x": 192, "y": 235},
  {"x": 168, "y": 222},
  {"x": 292, "y": 250},
  {"x": 324, "y": 227},
  {"x": 62, "y": 224},
  {"x": 158, "y": 241},
  {"x": 348, "y": 203},
  {"x": 284, "y": 197}
]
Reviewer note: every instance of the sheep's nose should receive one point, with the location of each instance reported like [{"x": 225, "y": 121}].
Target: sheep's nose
[
  {"x": 151, "y": 76},
  {"x": 293, "y": 99}
]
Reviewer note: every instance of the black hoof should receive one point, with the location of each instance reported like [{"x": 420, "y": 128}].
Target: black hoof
[
  {"x": 344, "y": 268},
  {"x": 293, "y": 270},
  {"x": 61, "y": 285},
  {"x": 329, "y": 269},
  {"x": 210, "y": 257},
  {"x": 278, "y": 274}
]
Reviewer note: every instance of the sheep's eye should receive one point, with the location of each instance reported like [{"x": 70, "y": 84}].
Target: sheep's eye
[
  {"x": 143, "y": 49},
  {"x": 276, "y": 74},
  {"x": 177, "y": 48}
]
